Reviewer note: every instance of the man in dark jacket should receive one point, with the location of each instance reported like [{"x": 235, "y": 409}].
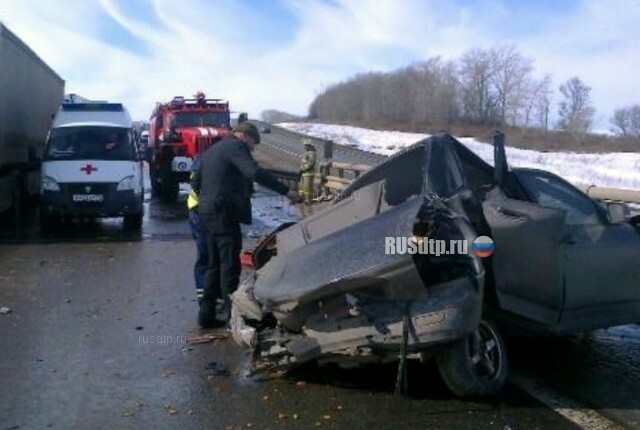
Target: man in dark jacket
[{"x": 224, "y": 203}]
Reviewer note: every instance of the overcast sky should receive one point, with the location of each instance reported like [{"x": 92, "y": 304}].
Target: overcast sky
[{"x": 279, "y": 54}]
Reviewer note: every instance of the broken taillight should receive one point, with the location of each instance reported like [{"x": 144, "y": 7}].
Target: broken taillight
[{"x": 246, "y": 259}]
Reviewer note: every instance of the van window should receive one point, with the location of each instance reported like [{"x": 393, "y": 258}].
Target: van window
[{"x": 95, "y": 143}]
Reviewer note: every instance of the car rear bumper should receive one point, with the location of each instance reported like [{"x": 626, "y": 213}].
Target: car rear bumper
[{"x": 449, "y": 312}]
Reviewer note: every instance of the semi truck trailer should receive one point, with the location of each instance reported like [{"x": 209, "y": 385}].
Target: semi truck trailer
[{"x": 30, "y": 94}]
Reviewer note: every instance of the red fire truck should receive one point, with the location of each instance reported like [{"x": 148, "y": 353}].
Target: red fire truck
[{"x": 179, "y": 131}]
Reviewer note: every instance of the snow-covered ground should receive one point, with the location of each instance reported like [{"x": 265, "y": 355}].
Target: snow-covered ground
[{"x": 613, "y": 170}]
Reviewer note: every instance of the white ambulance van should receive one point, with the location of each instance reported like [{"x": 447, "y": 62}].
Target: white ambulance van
[{"x": 91, "y": 166}]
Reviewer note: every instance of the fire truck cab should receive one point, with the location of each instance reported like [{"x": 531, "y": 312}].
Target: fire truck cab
[{"x": 179, "y": 131}]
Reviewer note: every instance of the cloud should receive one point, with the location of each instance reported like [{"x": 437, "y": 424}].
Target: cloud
[{"x": 280, "y": 54}]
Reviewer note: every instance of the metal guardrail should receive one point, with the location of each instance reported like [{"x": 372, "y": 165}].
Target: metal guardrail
[
  {"x": 340, "y": 174},
  {"x": 342, "y": 152},
  {"x": 289, "y": 178},
  {"x": 335, "y": 176}
]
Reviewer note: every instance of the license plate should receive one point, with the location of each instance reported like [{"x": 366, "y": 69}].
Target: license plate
[{"x": 92, "y": 198}]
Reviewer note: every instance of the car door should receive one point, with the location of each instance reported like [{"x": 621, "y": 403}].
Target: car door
[
  {"x": 525, "y": 264},
  {"x": 600, "y": 259}
]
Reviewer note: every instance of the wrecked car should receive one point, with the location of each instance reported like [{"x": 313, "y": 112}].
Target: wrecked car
[{"x": 324, "y": 289}]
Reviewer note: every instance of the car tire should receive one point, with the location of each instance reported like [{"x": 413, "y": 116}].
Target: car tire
[{"x": 476, "y": 366}]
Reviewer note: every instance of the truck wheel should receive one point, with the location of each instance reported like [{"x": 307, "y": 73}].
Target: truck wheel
[
  {"x": 155, "y": 184},
  {"x": 170, "y": 186},
  {"x": 133, "y": 222},
  {"x": 49, "y": 223},
  {"x": 476, "y": 366}
]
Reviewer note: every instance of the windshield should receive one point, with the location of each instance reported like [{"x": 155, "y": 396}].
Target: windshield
[
  {"x": 96, "y": 143},
  {"x": 202, "y": 119}
]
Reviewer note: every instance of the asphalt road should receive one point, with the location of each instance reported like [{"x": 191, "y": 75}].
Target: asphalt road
[{"x": 101, "y": 334}]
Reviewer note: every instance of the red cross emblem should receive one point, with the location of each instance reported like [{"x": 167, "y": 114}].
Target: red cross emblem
[{"x": 88, "y": 169}]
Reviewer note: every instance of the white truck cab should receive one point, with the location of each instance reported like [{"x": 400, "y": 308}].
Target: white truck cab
[{"x": 91, "y": 166}]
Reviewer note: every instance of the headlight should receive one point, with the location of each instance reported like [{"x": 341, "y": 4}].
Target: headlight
[
  {"x": 126, "y": 184},
  {"x": 49, "y": 184}
]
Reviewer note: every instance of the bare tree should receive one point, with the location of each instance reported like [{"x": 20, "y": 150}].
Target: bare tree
[
  {"x": 476, "y": 73},
  {"x": 489, "y": 87},
  {"x": 576, "y": 112},
  {"x": 626, "y": 121},
  {"x": 534, "y": 110},
  {"x": 434, "y": 88},
  {"x": 509, "y": 82}
]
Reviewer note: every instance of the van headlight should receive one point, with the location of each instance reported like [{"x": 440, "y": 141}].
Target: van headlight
[
  {"x": 127, "y": 184},
  {"x": 49, "y": 184}
]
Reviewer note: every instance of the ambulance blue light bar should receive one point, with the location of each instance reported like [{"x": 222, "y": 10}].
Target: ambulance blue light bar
[{"x": 102, "y": 107}]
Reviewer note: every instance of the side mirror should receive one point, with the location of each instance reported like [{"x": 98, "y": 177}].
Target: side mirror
[{"x": 617, "y": 212}]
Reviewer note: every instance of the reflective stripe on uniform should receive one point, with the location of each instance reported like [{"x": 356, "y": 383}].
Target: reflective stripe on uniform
[{"x": 192, "y": 200}]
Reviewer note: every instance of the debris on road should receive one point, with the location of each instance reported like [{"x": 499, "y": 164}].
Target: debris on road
[
  {"x": 4, "y": 310},
  {"x": 131, "y": 412},
  {"x": 207, "y": 338},
  {"x": 170, "y": 409},
  {"x": 217, "y": 369}
]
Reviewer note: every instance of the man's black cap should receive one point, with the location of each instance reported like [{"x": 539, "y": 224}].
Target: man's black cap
[{"x": 248, "y": 129}]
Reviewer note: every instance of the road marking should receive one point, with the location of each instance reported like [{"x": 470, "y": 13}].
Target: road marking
[
  {"x": 279, "y": 148},
  {"x": 572, "y": 410}
]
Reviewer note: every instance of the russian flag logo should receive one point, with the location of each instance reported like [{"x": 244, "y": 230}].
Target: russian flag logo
[{"x": 483, "y": 246}]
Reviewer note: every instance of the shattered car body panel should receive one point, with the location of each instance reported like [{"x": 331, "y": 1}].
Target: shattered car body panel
[
  {"x": 326, "y": 290},
  {"x": 336, "y": 294}
]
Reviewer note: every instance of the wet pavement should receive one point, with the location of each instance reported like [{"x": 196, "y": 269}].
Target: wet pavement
[
  {"x": 101, "y": 333},
  {"x": 98, "y": 337}
]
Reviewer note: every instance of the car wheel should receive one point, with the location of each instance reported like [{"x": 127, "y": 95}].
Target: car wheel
[{"x": 477, "y": 365}]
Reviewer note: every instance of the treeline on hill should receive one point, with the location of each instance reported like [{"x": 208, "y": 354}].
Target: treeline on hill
[
  {"x": 473, "y": 95},
  {"x": 275, "y": 116}
]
